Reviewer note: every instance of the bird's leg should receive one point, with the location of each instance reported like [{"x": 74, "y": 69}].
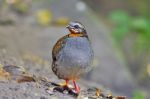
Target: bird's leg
[
  {"x": 77, "y": 89},
  {"x": 67, "y": 83}
]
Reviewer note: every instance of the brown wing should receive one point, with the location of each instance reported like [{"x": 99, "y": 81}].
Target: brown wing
[{"x": 58, "y": 46}]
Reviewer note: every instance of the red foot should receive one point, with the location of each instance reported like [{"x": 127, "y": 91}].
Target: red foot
[
  {"x": 67, "y": 82},
  {"x": 77, "y": 89}
]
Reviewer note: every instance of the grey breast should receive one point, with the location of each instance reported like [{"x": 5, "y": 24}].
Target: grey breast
[{"x": 75, "y": 57}]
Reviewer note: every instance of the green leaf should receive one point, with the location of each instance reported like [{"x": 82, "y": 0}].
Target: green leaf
[
  {"x": 138, "y": 95},
  {"x": 120, "y": 32},
  {"x": 119, "y": 17},
  {"x": 140, "y": 24}
]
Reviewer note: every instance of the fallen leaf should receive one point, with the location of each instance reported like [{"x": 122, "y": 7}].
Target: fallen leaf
[
  {"x": 120, "y": 97},
  {"x": 44, "y": 17},
  {"x": 25, "y": 78},
  {"x": 3, "y": 74},
  {"x": 14, "y": 70},
  {"x": 98, "y": 92}
]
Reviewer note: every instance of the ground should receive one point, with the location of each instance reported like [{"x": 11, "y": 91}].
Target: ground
[
  {"x": 19, "y": 52},
  {"x": 25, "y": 43}
]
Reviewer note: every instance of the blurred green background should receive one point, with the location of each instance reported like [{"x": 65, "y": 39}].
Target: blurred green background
[{"x": 127, "y": 23}]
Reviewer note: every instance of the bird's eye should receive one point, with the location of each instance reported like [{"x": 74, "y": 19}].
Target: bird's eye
[{"x": 76, "y": 26}]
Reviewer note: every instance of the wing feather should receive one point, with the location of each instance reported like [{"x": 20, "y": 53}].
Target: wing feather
[{"x": 58, "y": 46}]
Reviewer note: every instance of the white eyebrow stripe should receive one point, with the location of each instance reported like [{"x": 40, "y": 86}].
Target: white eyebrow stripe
[{"x": 75, "y": 23}]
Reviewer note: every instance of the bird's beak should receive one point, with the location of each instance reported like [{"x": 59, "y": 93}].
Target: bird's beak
[{"x": 69, "y": 27}]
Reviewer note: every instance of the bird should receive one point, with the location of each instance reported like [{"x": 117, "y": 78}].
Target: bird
[{"x": 72, "y": 55}]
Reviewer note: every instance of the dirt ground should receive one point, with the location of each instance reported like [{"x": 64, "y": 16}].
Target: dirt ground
[
  {"x": 15, "y": 51},
  {"x": 29, "y": 45},
  {"x": 24, "y": 48}
]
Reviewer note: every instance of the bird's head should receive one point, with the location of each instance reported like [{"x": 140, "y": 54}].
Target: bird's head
[{"x": 76, "y": 28}]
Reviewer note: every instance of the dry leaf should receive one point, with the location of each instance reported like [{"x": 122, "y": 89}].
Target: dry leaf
[
  {"x": 3, "y": 74},
  {"x": 18, "y": 73},
  {"x": 25, "y": 78},
  {"x": 44, "y": 17},
  {"x": 98, "y": 92},
  {"x": 14, "y": 70},
  {"x": 120, "y": 97}
]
